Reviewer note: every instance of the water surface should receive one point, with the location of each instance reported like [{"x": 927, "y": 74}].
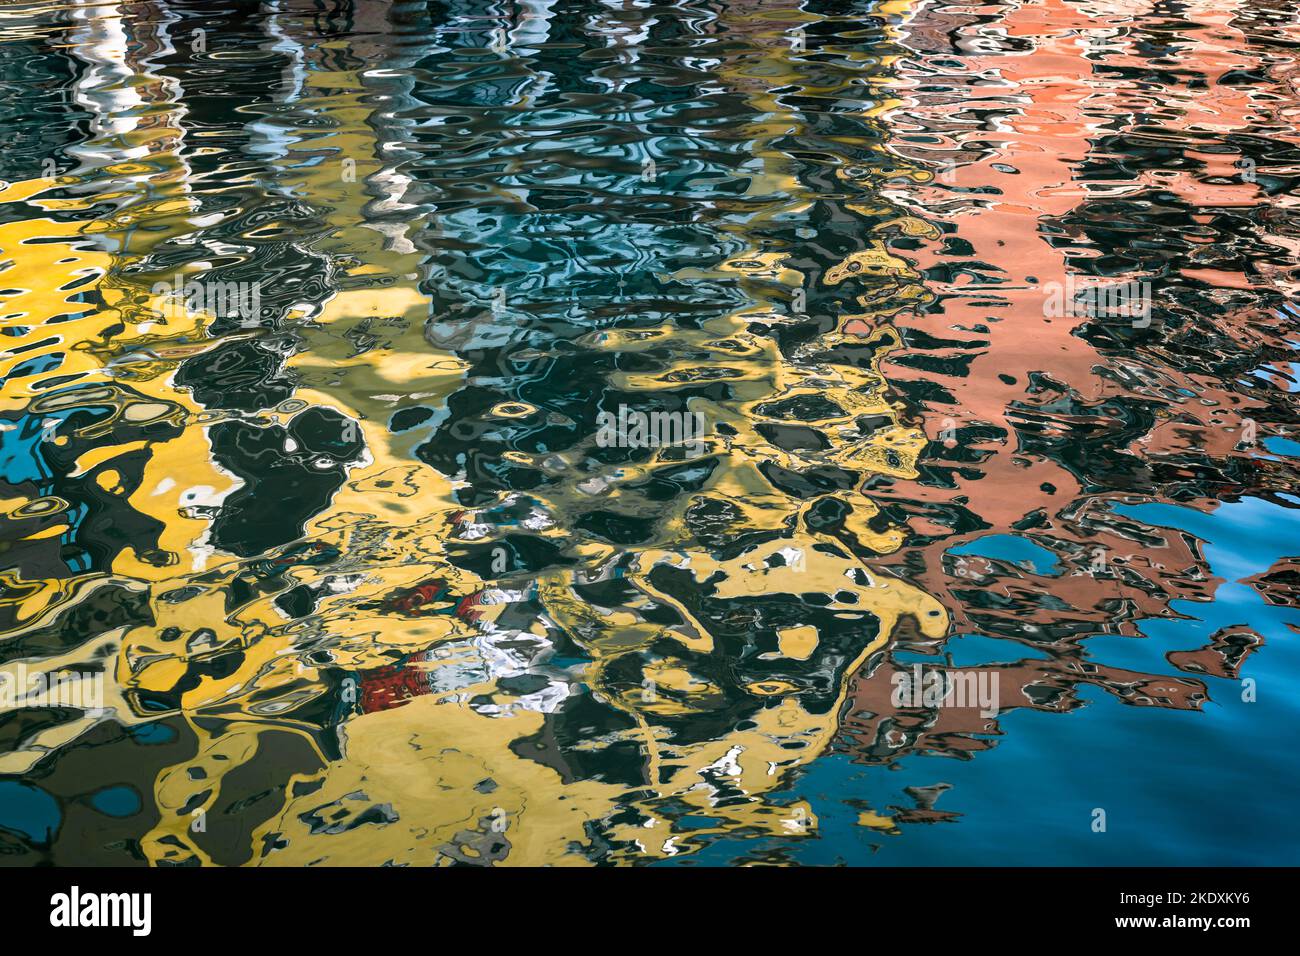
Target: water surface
[{"x": 987, "y": 312}]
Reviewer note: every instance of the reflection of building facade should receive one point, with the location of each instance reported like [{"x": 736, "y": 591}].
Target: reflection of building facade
[{"x": 370, "y": 589}]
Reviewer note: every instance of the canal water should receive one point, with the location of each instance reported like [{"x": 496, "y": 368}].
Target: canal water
[{"x": 588, "y": 433}]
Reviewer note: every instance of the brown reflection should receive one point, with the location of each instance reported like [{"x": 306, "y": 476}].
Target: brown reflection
[
  {"x": 877, "y": 731},
  {"x": 1041, "y": 422}
]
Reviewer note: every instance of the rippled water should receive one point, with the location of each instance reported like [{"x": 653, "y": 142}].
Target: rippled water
[{"x": 985, "y": 312}]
